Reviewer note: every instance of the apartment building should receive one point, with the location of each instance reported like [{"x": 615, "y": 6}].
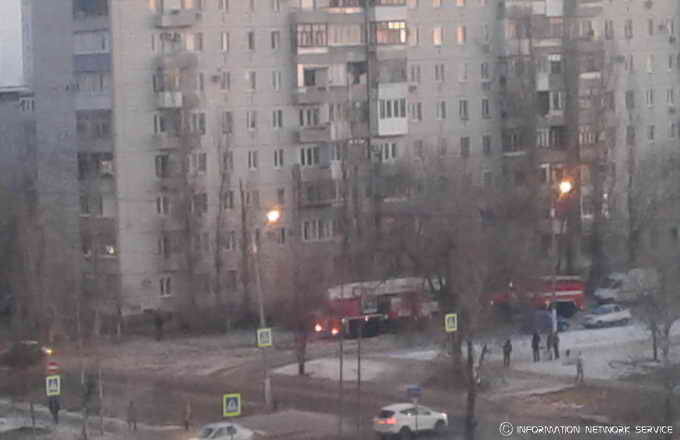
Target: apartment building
[{"x": 192, "y": 118}]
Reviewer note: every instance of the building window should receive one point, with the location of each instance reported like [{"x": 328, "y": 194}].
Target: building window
[
  {"x": 486, "y": 111},
  {"x": 276, "y": 80},
  {"x": 651, "y": 61},
  {"x": 630, "y": 99},
  {"x": 463, "y": 72},
  {"x": 281, "y": 195},
  {"x": 651, "y": 133},
  {"x": 609, "y": 29},
  {"x": 278, "y": 158},
  {"x": 251, "y": 119},
  {"x": 487, "y": 179},
  {"x": 225, "y": 81},
  {"x": 415, "y": 111},
  {"x": 199, "y": 203},
  {"x": 194, "y": 42},
  {"x": 252, "y": 80},
  {"x": 385, "y": 152},
  {"x": 275, "y": 39},
  {"x": 672, "y": 130},
  {"x": 440, "y": 110},
  {"x": 649, "y": 97},
  {"x": 199, "y": 162},
  {"x": 439, "y": 72},
  {"x": 389, "y": 32},
  {"x": 224, "y": 42},
  {"x": 310, "y": 156},
  {"x": 465, "y": 146},
  {"x": 461, "y": 34},
  {"x": 414, "y": 73},
  {"x": 486, "y": 145},
  {"x": 228, "y": 199},
  {"x": 628, "y": 28},
  {"x": 392, "y": 108},
  {"x": 484, "y": 72},
  {"x": 277, "y": 119},
  {"x": 312, "y": 35},
  {"x": 252, "y": 159},
  {"x": 437, "y": 36},
  {"x": 251, "y": 40},
  {"x": 436, "y": 3},
  {"x": 317, "y": 230},
  {"x": 223, "y": 5},
  {"x": 310, "y": 116},
  {"x": 91, "y": 42},
  {"x": 276, "y": 5},
  {"x": 463, "y": 110},
  {"x": 414, "y": 36},
  {"x": 162, "y": 163},
  {"x": 198, "y": 123}
]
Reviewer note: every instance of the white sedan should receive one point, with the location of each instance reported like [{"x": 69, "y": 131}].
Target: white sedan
[
  {"x": 608, "y": 314},
  {"x": 224, "y": 431},
  {"x": 407, "y": 419}
]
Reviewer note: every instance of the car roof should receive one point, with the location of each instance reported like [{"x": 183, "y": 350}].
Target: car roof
[
  {"x": 221, "y": 425},
  {"x": 398, "y": 406}
]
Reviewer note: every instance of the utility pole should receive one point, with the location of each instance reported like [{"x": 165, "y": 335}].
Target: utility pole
[{"x": 263, "y": 324}]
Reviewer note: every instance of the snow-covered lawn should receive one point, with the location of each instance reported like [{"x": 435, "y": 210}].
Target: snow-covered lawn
[{"x": 329, "y": 368}]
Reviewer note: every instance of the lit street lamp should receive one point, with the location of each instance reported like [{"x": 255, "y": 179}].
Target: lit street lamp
[
  {"x": 564, "y": 188},
  {"x": 272, "y": 217}
]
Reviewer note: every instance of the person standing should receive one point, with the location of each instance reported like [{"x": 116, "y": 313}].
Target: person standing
[
  {"x": 556, "y": 345},
  {"x": 132, "y": 416},
  {"x": 579, "y": 368},
  {"x": 549, "y": 346},
  {"x": 53, "y": 404},
  {"x": 535, "y": 345},
  {"x": 187, "y": 416},
  {"x": 507, "y": 349}
]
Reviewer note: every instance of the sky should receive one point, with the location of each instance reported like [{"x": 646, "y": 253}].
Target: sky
[{"x": 11, "y": 46}]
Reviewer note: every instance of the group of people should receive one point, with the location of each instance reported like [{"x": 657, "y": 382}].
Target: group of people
[
  {"x": 552, "y": 346},
  {"x": 552, "y": 349}
]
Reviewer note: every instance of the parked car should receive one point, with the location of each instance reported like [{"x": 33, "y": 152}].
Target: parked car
[
  {"x": 627, "y": 287},
  {"x": 406, "y": 420},
  {"x": 224, "y": 431},
  {"x": 607, "y": 314}
]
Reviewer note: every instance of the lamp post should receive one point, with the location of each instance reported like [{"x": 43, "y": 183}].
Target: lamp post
[
  {"x": 563, "y": 189},
  {"x": 272, "y": 217}
]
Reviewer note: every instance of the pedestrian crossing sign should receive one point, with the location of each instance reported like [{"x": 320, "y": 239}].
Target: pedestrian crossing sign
[
  {"x": 53, "y": 385},
  {"x": 451, "y": 322},
  {"x": 264, "y": 337},
  {"x": 231, "y": 405}
]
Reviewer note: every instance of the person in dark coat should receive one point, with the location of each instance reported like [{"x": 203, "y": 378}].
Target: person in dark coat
[
  {"x": 556, "y": 345},
  {"x": 53, "y": 404},
  {"x": 549, "y": 346},
  {"x": 507, "y": 349},
  {"x": 535, "y": 345},
  {"x": 579, "y": 368}
]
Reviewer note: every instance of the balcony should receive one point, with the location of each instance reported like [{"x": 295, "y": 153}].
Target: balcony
[
  {"x": 182, "y": 59},
  {"x": 388, "y": 12},
  {"x": 177, "y": 18},
  {"x": 316, "y": 134},
  {"x": 310, "y": 95},
  {"x": 174, "y": 141},
  {"x": 169, "y": 100}
]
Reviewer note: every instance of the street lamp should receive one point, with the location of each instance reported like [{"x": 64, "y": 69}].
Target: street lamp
[
  {"x": 272, "y": 216},
  {"x": 564, "y": 188}
]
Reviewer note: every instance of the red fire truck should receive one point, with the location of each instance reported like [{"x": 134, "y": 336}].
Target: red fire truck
[
  {"x": 566, "y": 292},
  {"x": 378, "y": 305}
]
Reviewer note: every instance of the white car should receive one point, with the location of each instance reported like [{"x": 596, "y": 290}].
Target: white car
[
  {"x": 627, "y": 287},
  {"x": 607, "y": 314},
  {"x": 407, "y": 419},
  {"x": 224, "y": 431}
]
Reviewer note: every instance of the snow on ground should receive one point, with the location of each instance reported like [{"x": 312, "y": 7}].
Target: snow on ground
[
  {"x": 329, "y": 368},
  {"x": 606, "y": 352}
]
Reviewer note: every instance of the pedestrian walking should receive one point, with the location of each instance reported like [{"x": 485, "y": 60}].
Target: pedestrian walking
[
  {"x": 549, "y": 346},
  {"x": 535, "y": 344},
  {"x": 579, "y": 368},
  {"x": 54, "y": 406},
  {"x": 556, "y": 345},
  {"x": 187, "y": 416},
  {"x": 132, "y": 416},
  {"x": 507, "y": 349}
]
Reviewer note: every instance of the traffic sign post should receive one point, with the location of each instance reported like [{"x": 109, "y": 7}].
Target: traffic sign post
[
  {"x": 231, "y": 405},
  {"x": 451, "y": 322},
  {"x": 52, "y": 368},
  {"x": 53, "y": 385},
  {"x": 413, "y": 393},
  {"x": 264, "y": 337}
]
